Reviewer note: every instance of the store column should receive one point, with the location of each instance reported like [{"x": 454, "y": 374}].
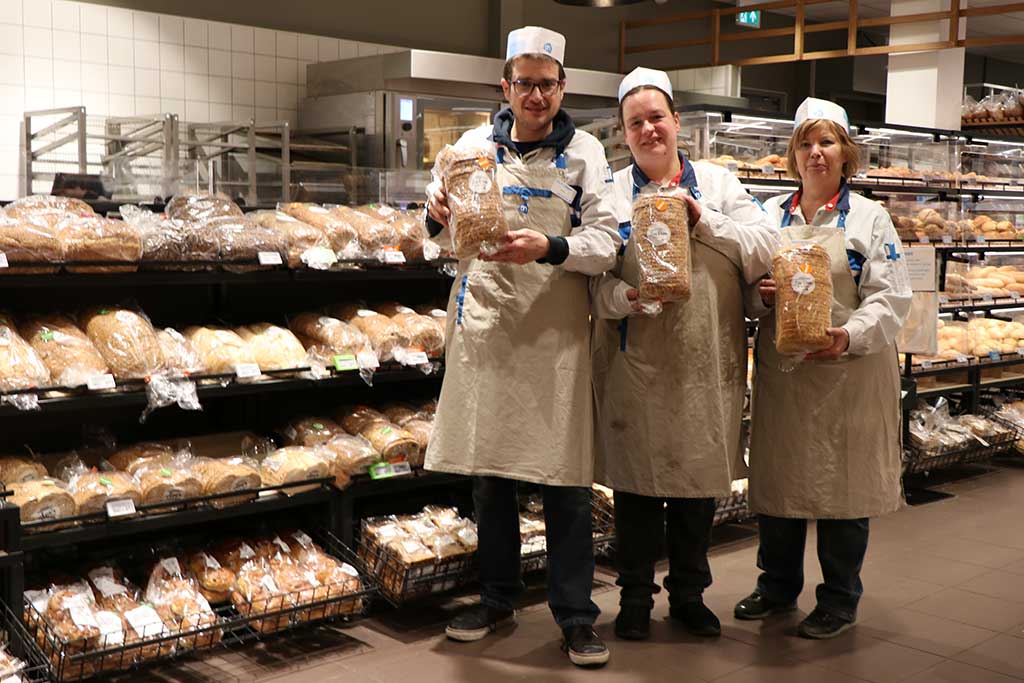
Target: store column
[{"x": 924, "y": 88}]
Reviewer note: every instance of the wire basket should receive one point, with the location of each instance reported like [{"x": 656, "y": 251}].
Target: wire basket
[
  {"x": 401, "y": 581},
  {"x": 19, "y": 643},
  {"x": 732, "y": 508},
  {"x": 920, "y": 460},
  {"x": 602, "y": 514}
]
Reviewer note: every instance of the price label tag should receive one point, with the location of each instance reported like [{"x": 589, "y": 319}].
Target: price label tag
[
  {"x": 99, "y": 382},
  {"x": 1015, "y": 296},
  {"x": 416, "y": 357},
  {"x": 987, "y": 298},
  {"x": 367, "y": 360},
  {"x": 269, "y": 258},
  {"x": 943, "y": 299},
  {"x": 926, "y": 364},
  {"x": 120, "y": 508},
  {"x": 393, "y": 256},
  {"x": 345, "y": 362},
  {"x": 247, "y": 370},
  {"x": 980, "y": 239},
  {"x": 993, "y": 355},
  {"x": 924, "y": 239},
  {"x": 1020, "y": 353},
  {"x": 732, "y": 166},
  {"x": 768, "y": 169},
  {"x": 947, "y": 239},
  {"x": 961, "y": 358},
  {"x": 384, "y": 470},
  {"x": 3, "y": 260}
]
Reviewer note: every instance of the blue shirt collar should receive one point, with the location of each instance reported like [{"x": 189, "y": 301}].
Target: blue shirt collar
[{"x": 688, "y": 179}]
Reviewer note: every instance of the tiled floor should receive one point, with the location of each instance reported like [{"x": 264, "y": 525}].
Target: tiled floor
[{"x": 944, "y": 602}]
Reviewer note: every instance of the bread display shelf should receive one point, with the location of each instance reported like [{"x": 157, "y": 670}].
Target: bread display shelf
[
  {"x": 71, "y": 661},
  {"x": 919, "y": 461},
  {"x": 732, "y": 508},
  {"x": 19, "y": 643},
  {"x": 603, "y": 531},
  {"x": 882, "y": 185}
]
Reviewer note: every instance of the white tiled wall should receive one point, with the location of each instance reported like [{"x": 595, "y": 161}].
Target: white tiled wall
[
  {"x": 711, "y": 80},
  {"x": 120, "y": 62}
]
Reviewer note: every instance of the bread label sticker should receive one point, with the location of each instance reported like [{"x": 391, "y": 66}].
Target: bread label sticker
[
  {"x": 392, "y": 256},
  {"x": 366, "y": 313},
  {"x": 1015, "y": 295},
  {"x": 926, "y": 364},
  {"x": 802, "y": 283},
  {"x": 47, "y": 512},
  {"x": 175, "y": 494},
  {"x": 282, "y": 545},
  {"x": 111, "y": 632},
  {"x": 318, "y": 209},
  {"x": 269, "y": 258},
  {"x": 171, "y": 566},
  {"x": 46, "y": 335},
  {"x": 3, "y": 260},
  {"x": 732, "y": 166},
  {"x": 124, "y": 507},
  {"x": 415, "y": 356},
  {"x": 658, "y": 234},
  {"x": 768, "y": 169},
  {"x": 304, "y": 540},
  {"x": 267, "y": 582},
  {"x": 923, "y": 239},
  {"x": 108, "y": 587},
  {"x": 947, "y": 239},
  {"x": 479, "y": 182},
  {"x": 980, "y": 239},
  {"x": 83, "y": 617},
  {"x": 100, "y": 382},
  {"x": 211, "y": 562},
  {"x": 367, "y": 360},
  {"x": 282, "y": 216},
  {"x": 247, "y": 370},
  {"x": 993, "y": 355},
  {"x": 439, "y": 313},
  {"x": 961, "y": 358},
  {"x": 345, "y": 362},
  {"x": 145, "y": 621},
  {"x": 246, "y": 552},
  {"x": 349, "y": 569}
]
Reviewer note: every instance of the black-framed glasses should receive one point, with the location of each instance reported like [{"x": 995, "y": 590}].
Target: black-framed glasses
[{"x": 547, "y": 86}]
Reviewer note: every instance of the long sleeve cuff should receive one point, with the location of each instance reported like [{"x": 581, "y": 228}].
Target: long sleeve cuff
[{"x": 558, "y": 251}]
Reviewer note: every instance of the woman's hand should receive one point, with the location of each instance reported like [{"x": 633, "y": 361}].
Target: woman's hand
[
  {"x": 521, "y": 247},
  {"x": 840, "y": 342},
  {"x": 766, "y": 288},
  {"x": 693, "y": 209},
  {"x": 437, "y": 207},
  {"x": 633, "y": 295}
]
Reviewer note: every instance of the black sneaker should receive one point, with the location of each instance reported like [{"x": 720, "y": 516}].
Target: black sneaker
[
  {"x": 584, "y": 646},
  {"x": 633, "y": 623},
  {"x": 757, "y": 606},
  {"x": 822, "y": 625},
  {"x": 477, "y": 622},
  {"x": 695, "y": 616}
]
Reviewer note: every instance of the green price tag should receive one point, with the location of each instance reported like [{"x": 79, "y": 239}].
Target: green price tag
[
  {"x": 104, "y": 311},
  {"x": 164, "y": 472},
  {"x": 381, "y": 470},
  {"x": 318, "y": 425},
  {"x": 345, "y": 362},
  {"x": 385, "y": 430},
  {"x": 106, "y": 482},
  {"x": 46, "y": 335}
]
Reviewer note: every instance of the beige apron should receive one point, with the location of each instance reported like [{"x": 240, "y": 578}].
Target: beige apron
[
  {"x": 516, "y": 398},
  {"x": 669, "y": 391},
  {"x": 825, "y": 437}
]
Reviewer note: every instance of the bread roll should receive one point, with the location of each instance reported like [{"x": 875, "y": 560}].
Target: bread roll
[
  {"x": 41, "y": 500},
  {"x": 311, "y": 431},
  {"x": 126, "y": 341},
  {"x": 67, "y": 353},
  {"x": 474, "y": 198},
  {"x": 20, "y": 365},
  {"x": 373, "y": 234},
  {"x": 132, "y": 458},
  {"x": 15, "y": 470},
  {"x": 29, "y": 241},
  {"x": 92, "y": 490},
  {"x": 179, "y": 355},
  {"x": 803, "y": 304},
  {"x": 224, "y": 475},
  {"x": 422, "y": 331},
  {"x": 291, "y": 464},
  {"x": 355, "y": 418},
  {"x": 273, "y": 347},
  {"x": 661, "y": 235},
  {"x": 325, "y": 337},
  {"x": 298, "y": 237},
  {"x": 191, "y": 207},
  {"x": 220, "y": 349},
  {"x": 339, "y": 232},
  {"x": 100, "y": 239},
  {"x": 391, "y": 441},
  {"x": 168, "y": 484}
]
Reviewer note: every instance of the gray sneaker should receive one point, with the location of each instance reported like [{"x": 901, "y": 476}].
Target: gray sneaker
[
  {"x": 477, "y": 622},
  {"x": 822, "y": 625}
]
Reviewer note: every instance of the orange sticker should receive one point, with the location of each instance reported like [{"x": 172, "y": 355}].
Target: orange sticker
[
  {"x": 483, "y": 162},
  {"x": 806, "y": 267},
  {"x": 661, "y": 205}
]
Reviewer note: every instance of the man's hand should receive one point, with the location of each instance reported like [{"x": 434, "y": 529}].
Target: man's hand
[
  {"x": 437, "y": 207},
  {"x": 633, "y": 295},
  {"x": 521, "y": 246},
  {"x": 693, "y": 209},
  {"x": 840, "y": 342},
  {"x": 766, "y": 288}
]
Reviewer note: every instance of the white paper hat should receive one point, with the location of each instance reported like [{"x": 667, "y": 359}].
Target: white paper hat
[
  {"x": 813, "y": 108},
  {"x": 644, "y": 76},
  {"x": 532, "y": 40}
]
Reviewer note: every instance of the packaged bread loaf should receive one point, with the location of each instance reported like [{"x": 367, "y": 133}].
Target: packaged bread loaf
[
  {"x": 176, "y": 598},
  {"x": 311, "y": 431},
  {"x": 325, "y": 337},
  {"x": 338, "y": 577},
  {"x": 138, "y": 622},
  {"x": 241, "y": 240},
  {"x": 168, "y": 483},
  {"x": 273, "y": 347},
  {"x": 422, "y": 331},
  {"x": 233, "y": 553},
  {"x": 47, "y": 208},
  {"x": 100, "y": 239},
  {"x": 413, "y": 239},
  {"x": 392, "y": 442},
  {"x": 373, "y": 233},
  {"x": 167, "y": 243},
  {"x": 661, "y": 237},
  {"x": 257, "y": 593},
  {"x": 131, "y": 458},
  {"x": 41, "y": 500},
  {"x": 220, "y": 349},
  {"x": 348, "y": 456},
  {"x": 355, "y": 418},
  {"x": 400, "y": 413},
  {"x": 302, "y": 240},
  {"x": 384, "y": 335},
  {"x": 27, "y": 241},
  {"x": 20, "y": 365},
  {"x": 180, "y": 357},
  {"x": 803, "y": 300},
  {"x": 214, "y": 580},
  {"x": 291, "y": 464},
  {"x": 15, "y": 470},
  {"x": 420, "y": 430},
  {"x": 70, "y": 614},
  {"x": 125, "y": 339},
  {"x": 92, "y": 490},
  {"x": 339, "y": 232},
  {"x": 477, "y": 221},
  {"x": 67, "y": 353},
  {"x": 225, "y": 475},
  {"x": 195, "y": 207}
]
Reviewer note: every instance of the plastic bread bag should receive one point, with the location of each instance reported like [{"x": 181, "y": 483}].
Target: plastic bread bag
[
  {"x": 125, "y": 339},
  {"x": 132, "y": 458},
  {"x": 311, "y": 431},
  {"x": 116, "y": 595},
  {"x": 400, "y": 413},
  {"x": 234, "y": 553},
  {"x": 340, "y": 233},
  {"x": 348, "y": 456},
  {"x": 384, "y": 335},
  {"x": 224, "y": 475},
  {"x": 48, "y": 208},
  {"x": 413, "y": 239},
  {"x": 256, "y": 592},
  {"x": 661, "y": 237},
  {"x": 423, "y": 332},
  {"x": 71, "y": 614},
  {"x": 67, "y": 353},
  {"x": 99, "y": 239},
  {"x": 374, "y": 234},
  {"x": 26, "y": 240},
  {"x": 292, "y": 464},
  {"x": 180, "y": 357},
  {"x": 168, "y": 483},
  {"x": 421, "y": 431},
  {"x": 15, "y": 470},
  {"x": 91, "y": 490},
  {"x": 356, "y": 417},
  {"x": 20, "y": 365},
  {"x": 803, "y": 300},
  {"x": 213, "y": 579},
  {"x": 242, "y": 240},
  {"x": 10, "y": 666},
  {"x": 306, "y": 244},
  {"x": 328, "y": 339},
  {"x": 273, "y": 347},
  {"x": 182, "y": 608},
  {"x": 394, "y": 443},
  {"x": 477, "y": 222},
  {"x": 201, "y": 206},
  {"x": 176, "y": 244},
  {"x": 220, "y": 349}
]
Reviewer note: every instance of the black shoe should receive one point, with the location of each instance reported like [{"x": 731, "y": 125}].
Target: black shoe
[
  {"x": 584, "y": 646},
  {"x": 822, "y": 625},
  {"x": 697, "y": 618},
  {"x": 633, "y": 623},
  {"x": 757, "y": 606},
  {"x": 477, "y": 622}
]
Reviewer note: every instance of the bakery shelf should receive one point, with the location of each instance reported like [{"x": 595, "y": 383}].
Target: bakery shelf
[
  {"x": 927, "y": 460},
  {"x": 942, "y": 390},
  {"x": 732, "y": 508},
  {"x": 16, "y": 637}
]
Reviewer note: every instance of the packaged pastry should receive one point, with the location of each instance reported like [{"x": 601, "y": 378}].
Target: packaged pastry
[
  {"x": 224, "y": 475},
  {"x": 194, "y": 207},
  {"x": 292, "y": 464},
  {"x": 477, "y": 220},
  {"x": 392, "y": 442},
  {"x": 92, "y": 490},
  {"x": 100, "y": 239},
  {"x": 311, "y": 431},
  {"x": 339, "y": 578},
  {"x": 138, "y": 622},
  {"x": 168, "y": 483},
  {"x": 803, "y": 300},
  {"x": 256, "y": 592},
  {"x": 325, "y": 337},
  {"x": 302, "y": 240},
  {"x": 71, "y": 616},
  {"x": 67, "y": 353},
  {"x": 176, "y": 598},
  {"x": 125, "y": 339},
  {"x": 339, "y": 232},
  {"x": 661, "y": 235},
  {"x": 16, "y": 470},
  {"x": 20, "y": 365},
  {"x": 423, "y": 332},
  {"x": 373, "y": 233},
  {"x": 41, "y": 500},
  {"x": 220, "y": 349},
  {"x": 273, "y": 347},
  {"x": 234, "y": 553},
  {"x": 132, "y": 458},
  {"x": 179, "y": 355},
  {"x": 384, "y": 335},
  {"x": 214, "y": 580},
  {"x": 355, "y": 418},
  {"x": 27, "y": 241}
]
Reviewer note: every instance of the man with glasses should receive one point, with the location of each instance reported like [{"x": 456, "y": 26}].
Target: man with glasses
[{"x": 516, "y": 403}]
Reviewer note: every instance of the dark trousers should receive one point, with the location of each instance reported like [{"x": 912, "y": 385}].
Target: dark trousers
[
  {"x": 567, "y": 519},
  {"x": 643, "y": 526},
  {"x": 842, "y": 544}
]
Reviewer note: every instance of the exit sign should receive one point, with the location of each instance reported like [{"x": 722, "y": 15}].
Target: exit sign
[{"x": 750, "y": 18}]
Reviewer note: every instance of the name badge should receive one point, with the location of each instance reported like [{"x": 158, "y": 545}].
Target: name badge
[{"x": 564, "y": 191}]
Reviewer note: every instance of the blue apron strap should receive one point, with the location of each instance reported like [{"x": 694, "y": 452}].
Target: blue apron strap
[
  {"x": 623, "y": 327},
  {"x": 499, "y": 154},
  {"x": 461, "y": 299},
  {"x": 842, "y": 220},
  {"x": 560, "y": 161}
]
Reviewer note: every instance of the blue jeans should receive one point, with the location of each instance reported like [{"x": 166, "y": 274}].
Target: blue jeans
[
  {"x": 842, "y": 544},
  {"x": 569, "y": 541}
]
